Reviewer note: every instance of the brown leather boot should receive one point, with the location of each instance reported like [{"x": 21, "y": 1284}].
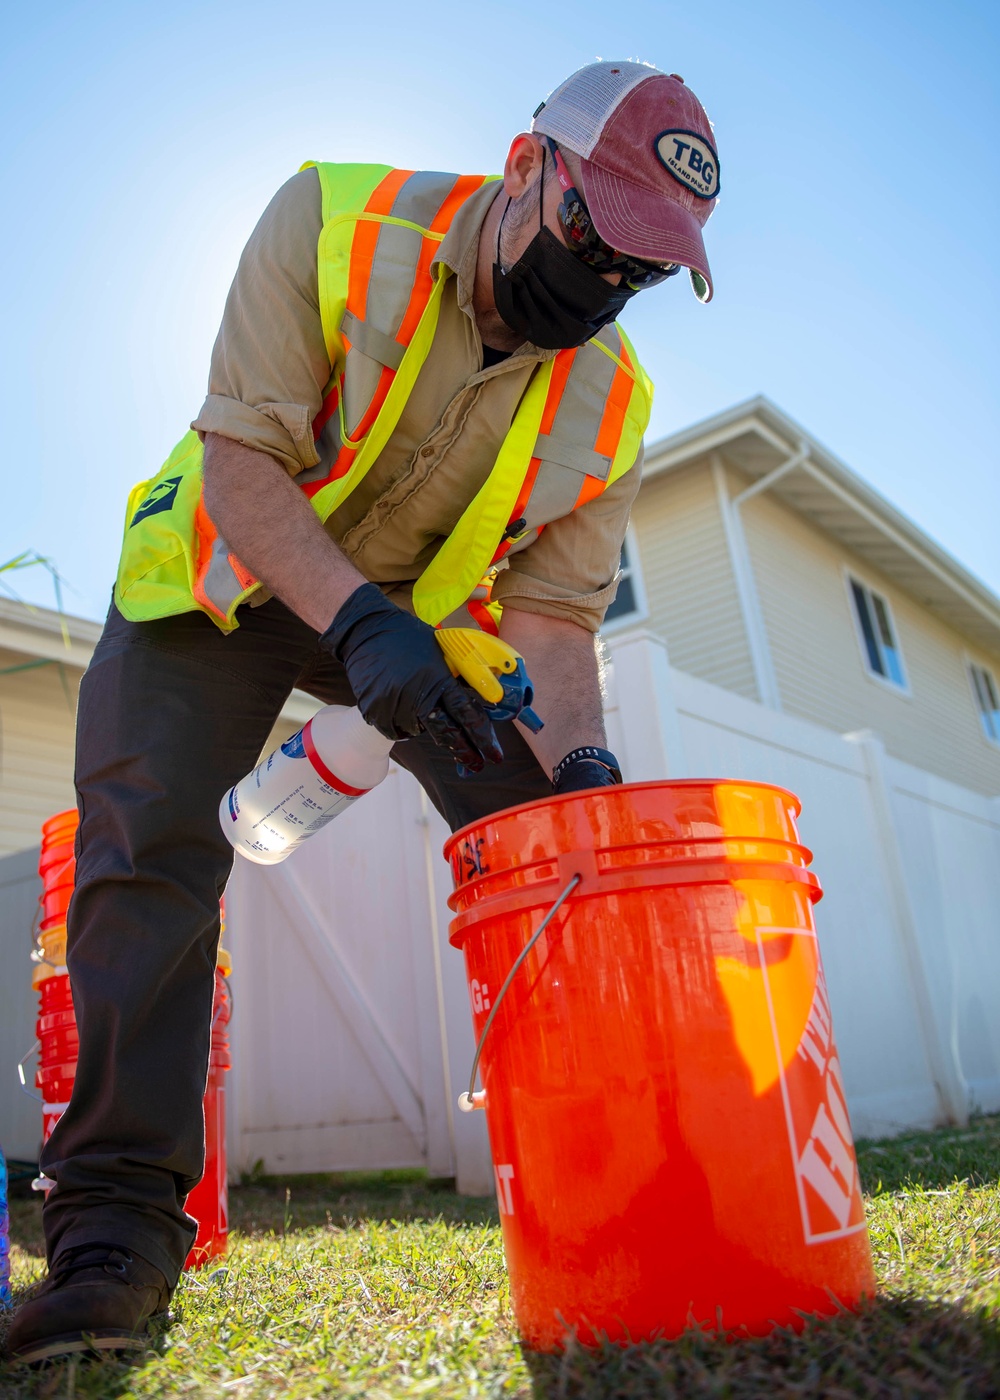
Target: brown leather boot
[{"x": 97, "y": 1298}]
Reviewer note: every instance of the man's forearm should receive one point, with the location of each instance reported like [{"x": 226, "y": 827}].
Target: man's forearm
[
  {"x": 561, "y": 659},
  {"x": 274, "y": 532}
]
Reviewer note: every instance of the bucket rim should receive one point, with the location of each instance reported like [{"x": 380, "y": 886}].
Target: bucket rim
[{"x": 522, "y": 807}]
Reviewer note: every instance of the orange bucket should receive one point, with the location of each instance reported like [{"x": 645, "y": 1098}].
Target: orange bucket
[
  {"x": 665, "y": 1103},
  {"x": 57, "y": 866},
  {"x": 59, "y": 1042},
  {"x": 50, "y": 956},
  {"x": 209, "y": 1201},
  {"x": 60, "y": 830}
]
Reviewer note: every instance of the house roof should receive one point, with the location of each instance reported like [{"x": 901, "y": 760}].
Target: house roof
[
  {"x": 44, "y": 635},
  {"x": 758, "y": 439},
  {"x": 40, "y": 634}
]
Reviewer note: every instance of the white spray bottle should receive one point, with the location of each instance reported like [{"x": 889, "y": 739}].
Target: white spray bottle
[{"x": 337, "y": 756}]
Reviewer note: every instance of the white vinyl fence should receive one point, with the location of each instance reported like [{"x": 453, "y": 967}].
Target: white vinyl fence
[
  {"x": 20, "y": 1115},
  {"x": 909, "y": 926},
  {"x": 352, "y": 1030}
]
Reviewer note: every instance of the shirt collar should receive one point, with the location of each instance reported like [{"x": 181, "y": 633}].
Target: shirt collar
[{"x": 459, "y": 252}]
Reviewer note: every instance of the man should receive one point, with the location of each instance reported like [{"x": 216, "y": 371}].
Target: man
[{"x": 420, "y": 411}]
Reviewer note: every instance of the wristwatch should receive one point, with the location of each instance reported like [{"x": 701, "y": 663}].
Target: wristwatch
[{"x": 591, "y": 754}]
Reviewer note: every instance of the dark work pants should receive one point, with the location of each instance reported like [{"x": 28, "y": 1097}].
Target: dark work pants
[{"x": 172, "y": 714}]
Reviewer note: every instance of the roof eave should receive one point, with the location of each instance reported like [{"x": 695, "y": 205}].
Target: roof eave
[
  {"x": 38, "y": 635},
  {"x": 43, "y": 634}
]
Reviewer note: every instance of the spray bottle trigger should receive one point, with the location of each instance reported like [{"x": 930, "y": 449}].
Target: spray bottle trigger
[
  {"x": 518, "y": 694},
  {"x": 493, "y": 669},
  {"x": 480, "y": 659}
]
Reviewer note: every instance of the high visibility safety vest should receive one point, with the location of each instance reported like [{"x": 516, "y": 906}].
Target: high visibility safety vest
[{"x": 577, "y": 428}]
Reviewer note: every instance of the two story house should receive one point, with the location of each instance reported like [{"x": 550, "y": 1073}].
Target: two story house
[{"x": 772, "y": 570}]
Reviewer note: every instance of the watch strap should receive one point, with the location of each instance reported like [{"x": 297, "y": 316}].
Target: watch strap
[{"x": 591, "y": 754}]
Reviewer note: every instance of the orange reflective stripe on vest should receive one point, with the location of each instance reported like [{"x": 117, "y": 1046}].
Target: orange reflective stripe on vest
[
  {"x": 219, "y": 576},
  {"x": 561, "y": 366},
  {"x": 366, "y": 235},
  {"x": 364, "y": 245},
  {"x": 577, "y": 428}
]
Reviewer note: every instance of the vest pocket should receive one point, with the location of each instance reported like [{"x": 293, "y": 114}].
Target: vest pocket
[
  {"x": 372, "y": 342},
  {"x": 569, "y": 454},
  {"x": 372, "y": 361},
  {"x": 162, "y": 591},
  {"x": 156, "y": 569},
  {"x": 560, "y": 480}
]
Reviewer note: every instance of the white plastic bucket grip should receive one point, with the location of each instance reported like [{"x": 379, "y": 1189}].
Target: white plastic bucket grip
[{"x": 20, "y": 1071}]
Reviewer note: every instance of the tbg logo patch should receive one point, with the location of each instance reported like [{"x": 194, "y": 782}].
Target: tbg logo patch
[
  {"x": 160, "y": 498},
  {"x": 691, "y": 160}
]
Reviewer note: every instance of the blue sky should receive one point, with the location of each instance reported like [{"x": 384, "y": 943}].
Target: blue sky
[{"x": 854, "y": 248}]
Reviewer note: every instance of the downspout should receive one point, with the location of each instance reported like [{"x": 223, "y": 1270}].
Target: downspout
[{"x": 765, "y": 678}]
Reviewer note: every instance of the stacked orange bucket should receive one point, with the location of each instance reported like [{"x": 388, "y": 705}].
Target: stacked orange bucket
[
  {"x": 209, "y": 1201},
  {"x": 56, "y": 1025},
  {"x": 59, "y": 1042}
]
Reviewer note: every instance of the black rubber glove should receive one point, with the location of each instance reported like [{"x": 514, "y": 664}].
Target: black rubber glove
[
  {"x": 583, "y": 768},
  {"x": 402, "y": 682}
]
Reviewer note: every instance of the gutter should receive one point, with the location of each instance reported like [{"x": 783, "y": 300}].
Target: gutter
[{"x": 765, "y": 677}]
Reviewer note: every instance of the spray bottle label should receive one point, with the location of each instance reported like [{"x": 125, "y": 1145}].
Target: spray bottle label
[
  {"x": 294, "y": 747},
  {"x": 285, "y": 800}
]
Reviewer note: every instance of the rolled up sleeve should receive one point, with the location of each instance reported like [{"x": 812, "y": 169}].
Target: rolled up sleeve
[
  {"x": 572, "y": 569},
  {"x": 269, "y": 363}
]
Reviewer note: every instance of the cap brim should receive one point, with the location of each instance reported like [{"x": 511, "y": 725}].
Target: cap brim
[{"x": 646, "y": 225}]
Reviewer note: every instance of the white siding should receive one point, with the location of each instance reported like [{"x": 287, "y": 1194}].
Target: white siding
[
  {"x": 693, "y": 603},
  {"x": 37, "y": 723},
  {"x": 800, "y": 575}
]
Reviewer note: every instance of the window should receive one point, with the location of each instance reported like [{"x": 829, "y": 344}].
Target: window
[
  {"x": 630, "y": 602},
  {"x": 984, "y": 687},
  {"x": 878, "y": 638}
]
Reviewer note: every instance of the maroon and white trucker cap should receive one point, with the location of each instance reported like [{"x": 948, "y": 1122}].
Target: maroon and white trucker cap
[{"x": 650, "y": 167}]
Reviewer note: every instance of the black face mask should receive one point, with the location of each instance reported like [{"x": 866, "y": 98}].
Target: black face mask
[{"x": 549, "y": 296}]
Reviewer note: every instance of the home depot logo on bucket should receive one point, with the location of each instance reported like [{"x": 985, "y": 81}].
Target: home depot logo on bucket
[
  {"x": 826, "y": 1170},
  {"x": 782, "y": 1025}
]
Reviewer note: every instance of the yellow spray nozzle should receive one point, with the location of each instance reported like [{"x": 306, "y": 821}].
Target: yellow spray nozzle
[{"x": 478, "y": 658}]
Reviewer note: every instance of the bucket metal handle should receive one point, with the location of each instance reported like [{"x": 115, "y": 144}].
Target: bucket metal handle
[
  {"x": 471, "y": 1099},
  {"x": 20, "y": 1071}
]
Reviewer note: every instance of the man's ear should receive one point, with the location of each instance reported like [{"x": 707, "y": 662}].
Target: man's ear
[{"x": 523, "y": 166}]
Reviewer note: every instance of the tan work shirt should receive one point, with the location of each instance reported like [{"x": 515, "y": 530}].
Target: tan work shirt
[{"x": 270, "y": 368}]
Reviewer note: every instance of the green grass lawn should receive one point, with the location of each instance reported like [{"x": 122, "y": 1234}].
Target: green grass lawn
[{"x": 385, "y": 1287}]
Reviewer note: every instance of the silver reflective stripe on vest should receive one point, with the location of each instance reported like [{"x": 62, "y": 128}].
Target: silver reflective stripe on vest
[
  {"x": 421, "y": 196},
  {"x": 373, "y": 342},
  {"x": 567, "y": 451},
  {"x": 566, "y": 454},
  {"x": 219, "y": 581},
  {"x": 418, "y": 201}
]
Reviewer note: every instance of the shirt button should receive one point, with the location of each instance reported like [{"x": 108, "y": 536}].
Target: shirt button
[{"x": 427, "y": 452}]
